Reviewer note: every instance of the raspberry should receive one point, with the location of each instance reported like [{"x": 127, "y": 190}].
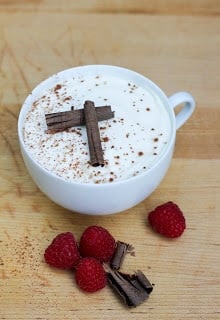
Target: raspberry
[
  {"x": 63, "y": 252},
  {"x": 168, "y": 220},
  {"x": 98, "y": 243},
  {"x": 90, "y": 275}
]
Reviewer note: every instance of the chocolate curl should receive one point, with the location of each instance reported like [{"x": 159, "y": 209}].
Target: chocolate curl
[
  {"x": 121, "y": 250},
  {"x": 145, "y": 283},
  {"x": 93, "y": 135},
  {"x": 60, "y": 121},
  {"x": 132, "y": 289}
]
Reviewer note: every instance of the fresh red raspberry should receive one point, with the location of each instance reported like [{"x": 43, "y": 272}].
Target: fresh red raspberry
[
  {"x": 63, "y": 251},
  {"x": 98, "y": 243},
  {"x": 168, "y": 220},
  {"x": 90, "y": 275}
]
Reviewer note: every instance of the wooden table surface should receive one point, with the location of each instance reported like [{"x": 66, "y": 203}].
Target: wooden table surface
[{"x": 177, "y": 45}]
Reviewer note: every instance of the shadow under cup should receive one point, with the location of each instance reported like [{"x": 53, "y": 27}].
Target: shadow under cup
[{"x": 93, "y": 82}]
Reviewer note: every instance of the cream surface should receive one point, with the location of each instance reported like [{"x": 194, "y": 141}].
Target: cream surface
[{"x": 132, "y": 141}]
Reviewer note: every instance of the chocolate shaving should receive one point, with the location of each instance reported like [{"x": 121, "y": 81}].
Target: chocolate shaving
[
  {"x": 63, "y": 120},
  {"x": 145, "y": 283},
  {"x": 93, "y": 135},
  {"x": 89, "y": 116},
  {"x": 121, "y": 250},
  {"x": 132, "y": 289}
]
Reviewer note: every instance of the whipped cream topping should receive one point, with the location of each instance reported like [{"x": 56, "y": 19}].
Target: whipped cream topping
[{"x": 132, "y": 141}]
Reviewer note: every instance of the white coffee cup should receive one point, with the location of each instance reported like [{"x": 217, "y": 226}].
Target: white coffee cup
[{"x": 119, "y": 195}]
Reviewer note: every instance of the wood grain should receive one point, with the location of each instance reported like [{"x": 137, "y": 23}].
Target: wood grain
[
  {"x": 176, "y": 7},
  {"x": 177, "y": 45}
]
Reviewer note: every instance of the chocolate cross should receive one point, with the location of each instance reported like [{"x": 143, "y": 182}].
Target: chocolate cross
[{"x": 88, "y": 116}]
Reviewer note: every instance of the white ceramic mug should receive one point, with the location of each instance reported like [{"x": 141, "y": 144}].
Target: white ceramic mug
[{"x": 105, "y": 198}]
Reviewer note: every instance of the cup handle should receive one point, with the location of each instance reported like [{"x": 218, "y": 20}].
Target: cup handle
[{"x": 189, "y": 105}]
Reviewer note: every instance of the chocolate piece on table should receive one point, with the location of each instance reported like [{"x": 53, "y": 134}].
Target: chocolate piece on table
[
  {"x": 121, "y": 250},
  {"x": 132, "y": 289},
  {"x": 145, "y": 283}
]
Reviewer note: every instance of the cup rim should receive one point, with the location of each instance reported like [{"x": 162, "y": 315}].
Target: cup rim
[{"x": 156, "y": 89}]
